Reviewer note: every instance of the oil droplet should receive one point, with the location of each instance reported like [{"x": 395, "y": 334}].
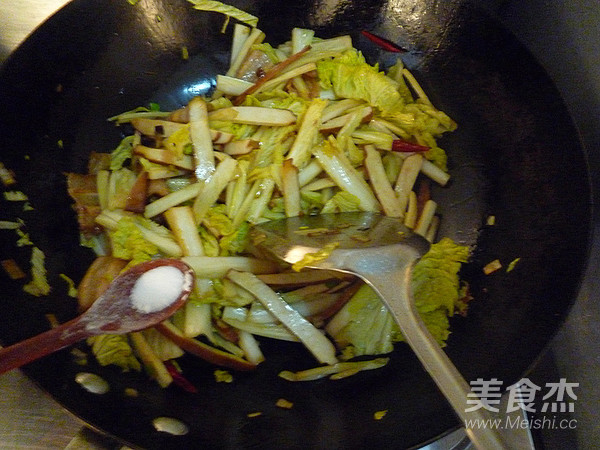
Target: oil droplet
[
  {"x": 92, "y": 383},
  {"x": 170, "y": 425}
]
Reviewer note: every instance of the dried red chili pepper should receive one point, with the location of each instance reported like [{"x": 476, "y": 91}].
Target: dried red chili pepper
[
  {"x": 399, "y": 145},
  {"x": 385, "y": 44},
  {"x": 179, "y": 379}
]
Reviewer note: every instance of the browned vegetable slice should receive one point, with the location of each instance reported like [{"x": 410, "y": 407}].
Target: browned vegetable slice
[
  {"x": 156, "y": 127},
  {"x": 82, "y": 189},
  {"x": 97, "y": 278},
  {"x": 136, "y": 200},
  {"x": 202, "y": 350},
  {"x": 163, "y": 156},
  {"x": 98, "y": 162},
  {"x": 272, "y": 73},
  {"x": 302, "y": 278},
  {"x": 241, "y": 147},
  {"x": 12, "y": 269}
]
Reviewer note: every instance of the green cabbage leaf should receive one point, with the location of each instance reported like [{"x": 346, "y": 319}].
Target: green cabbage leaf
[
  {"x": 350, "y": 76},
  {"x": 365, "y": 327}
]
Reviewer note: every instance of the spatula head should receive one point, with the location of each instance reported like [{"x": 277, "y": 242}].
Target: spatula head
[{"x": 292, "y": 238}]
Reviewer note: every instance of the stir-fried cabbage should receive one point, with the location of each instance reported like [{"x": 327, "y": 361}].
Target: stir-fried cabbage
[{"x": 314, "y": 132}]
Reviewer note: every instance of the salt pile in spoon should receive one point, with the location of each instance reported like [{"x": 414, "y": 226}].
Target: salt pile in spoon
[{"x": 157, "y": 289}]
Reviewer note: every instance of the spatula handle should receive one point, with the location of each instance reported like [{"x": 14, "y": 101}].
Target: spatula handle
[
  {"x": 36, "y": 347},
  {"x": 394, "y": 288}
]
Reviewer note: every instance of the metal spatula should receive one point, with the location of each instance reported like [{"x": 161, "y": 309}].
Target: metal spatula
[{"x": 382, "y": 251}]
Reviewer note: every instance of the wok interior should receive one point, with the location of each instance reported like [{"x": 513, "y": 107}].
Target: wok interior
[{"x": 515, "y": 156}]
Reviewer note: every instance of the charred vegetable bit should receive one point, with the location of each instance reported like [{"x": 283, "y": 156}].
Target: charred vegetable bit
[
  {"x": 12, "y": 269},
  {"x": 306, "y": 127}
]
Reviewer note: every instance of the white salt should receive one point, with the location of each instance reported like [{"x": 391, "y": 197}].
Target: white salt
[{"x": 157, "y": 289}]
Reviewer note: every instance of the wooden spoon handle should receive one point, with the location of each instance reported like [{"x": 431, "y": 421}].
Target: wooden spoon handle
[{"x": 36, "y": 347}]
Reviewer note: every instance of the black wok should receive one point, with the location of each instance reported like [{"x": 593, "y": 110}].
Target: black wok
[{"x": 516, "y": 155}]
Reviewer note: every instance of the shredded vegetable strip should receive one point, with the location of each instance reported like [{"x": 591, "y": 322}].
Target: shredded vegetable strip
[{"x": 317, "y": 343}]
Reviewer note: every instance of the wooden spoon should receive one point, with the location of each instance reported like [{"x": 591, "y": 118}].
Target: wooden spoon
[{"x": 143, "y": 296}]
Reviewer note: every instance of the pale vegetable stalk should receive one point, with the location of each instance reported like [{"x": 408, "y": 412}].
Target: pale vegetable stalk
[
  {"x": 242, "y": 211},
  {"x": 301, "y": 87},
  {"x": 269, "y": 330},
  {"x": 410, "y": 169},
  {"x": 347, "y": 178},
  {"x": 259, "y": 314},
  {"x": 269, "y": 85},
  {"x": 240, "y": 35},
  {"x": 291, "y": 188},
  {"x": 309, "y": 172},
  {"x": 267, "y": 185},
  {"x": 387, "y": 127},
  {"x": 165, "y": 243},
  {"x": 232, "y": 86},
  {"x": 201, "y": 139},
  {"x": 433, "y": 228},
  {"x": 254, "y": 115},
  {"x": 426, "y": 217},
  {"x": 197, "y": 319},
  {"x": 319, "y": 184},
  {"x": 307, "y": 133},
  {"x": 324, "y": 49},
  {"x": 102, "y": 187},
  {"x": 382, "y": 141},
  {"x": 218, "y": 266},
  {"x": 347, "y": 123},
  {"x": 340, "y": 107},
  {"x": 301, "y": 37},
  {"x": 305, "y": 292},
  {"x": 213, "y": 187},
  {"x": 250, "y": 346},
  {"x": 378, "y": 179},
  {"x": 256, "y": 36},
  {"x": 181, "y": 222},
  {"x": 338, "y": 43},
  {"x": 173, "y": 199},
  {"x": 317, "y": 343},
  {"x": 268, "y": 77},
  {"x": 234, "y": 313},
  {"x": 428, "y": 168},
  {"x": 237, "y": 190},
  {"x": 219, "y": 341},
  {"x": 416, "y": 87},
  {"x": 435, "y": 173},
  {"x": 154, "y": 366},
  {"x": 410, "y": 219}
]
